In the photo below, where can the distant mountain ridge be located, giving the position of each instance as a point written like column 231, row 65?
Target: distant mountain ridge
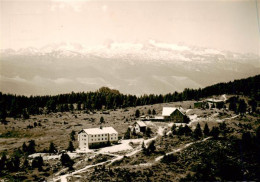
column 133, row 68
column 151, row 51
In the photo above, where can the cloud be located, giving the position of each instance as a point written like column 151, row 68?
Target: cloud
column 104, row 8
column 60, row 5
column 62, row 80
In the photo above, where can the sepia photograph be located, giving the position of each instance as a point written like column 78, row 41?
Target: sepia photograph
column 129, row 90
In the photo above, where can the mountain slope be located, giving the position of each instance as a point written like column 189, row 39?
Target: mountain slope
column 152, row 67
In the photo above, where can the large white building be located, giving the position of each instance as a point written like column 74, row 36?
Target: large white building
column 94, row 137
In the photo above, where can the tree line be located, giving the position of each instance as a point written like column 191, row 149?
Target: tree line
column 106, row 98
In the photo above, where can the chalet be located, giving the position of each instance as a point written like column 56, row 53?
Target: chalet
column 174, row 114
column 139, row 126
column 96, row 137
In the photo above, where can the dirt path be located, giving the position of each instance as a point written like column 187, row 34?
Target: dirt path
column 63, row 178
column 224, row 119
column 160, row 131
column 181, row 148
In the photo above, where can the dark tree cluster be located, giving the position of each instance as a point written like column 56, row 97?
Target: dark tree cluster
column 18, row 161
column 198, row 133
column 239, row 106
column 234, row 160
column 22, row 106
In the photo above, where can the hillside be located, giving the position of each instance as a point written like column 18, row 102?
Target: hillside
column 189, row 156
column 38, row 136
column 105, row 98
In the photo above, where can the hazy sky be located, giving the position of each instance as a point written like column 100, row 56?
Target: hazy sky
column 227, row 25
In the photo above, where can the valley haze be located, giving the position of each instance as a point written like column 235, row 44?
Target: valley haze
column 133, row 68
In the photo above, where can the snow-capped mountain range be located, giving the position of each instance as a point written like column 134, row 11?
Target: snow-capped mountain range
column 148, row 51
column 135, row 68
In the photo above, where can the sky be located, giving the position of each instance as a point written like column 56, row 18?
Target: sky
column 225, row 25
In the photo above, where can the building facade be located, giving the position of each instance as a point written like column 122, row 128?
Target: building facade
column 139, row 126
column 174, row 114
column 96, row 137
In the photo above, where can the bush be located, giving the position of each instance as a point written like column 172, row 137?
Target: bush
column 66, row 161
column 37, row 163
column 169, row 158
column 150, row 149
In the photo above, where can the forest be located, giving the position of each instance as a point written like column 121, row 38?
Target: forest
column 106, row 98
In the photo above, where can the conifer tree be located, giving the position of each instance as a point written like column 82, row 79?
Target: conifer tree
column 52, row 148
column 197, row 132
column 242, row 107
column 70, row 147
column 16, row 163
column 233, row 106
column 187, row 130
column 25, row 164
column 37, row 162
column 206, row 130
column 24, row 147
column 3, row 161
column 71, row 107
column 101, row 120
column 31, row 147
column 79, row 106
column 3, row 113
column 137, row 113
column 127, row 134
column 214, row 132
column 253, row 105
column 72, row 135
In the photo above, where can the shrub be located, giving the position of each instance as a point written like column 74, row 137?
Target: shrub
column 169, row 158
